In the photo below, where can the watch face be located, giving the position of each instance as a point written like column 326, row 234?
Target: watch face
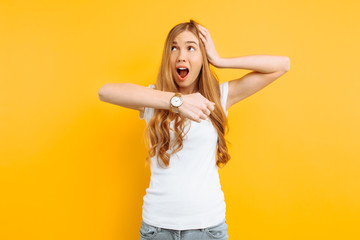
column 176, row 101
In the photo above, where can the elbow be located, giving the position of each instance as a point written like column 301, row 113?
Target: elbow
column 101, row 93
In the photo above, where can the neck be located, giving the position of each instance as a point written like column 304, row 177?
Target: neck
column 186, row 91
column 190, row 89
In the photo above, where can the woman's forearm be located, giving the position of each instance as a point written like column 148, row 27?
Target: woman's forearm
column 133, row 96
column 259, row 63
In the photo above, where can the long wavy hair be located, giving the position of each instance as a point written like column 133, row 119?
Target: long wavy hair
column 158, row 128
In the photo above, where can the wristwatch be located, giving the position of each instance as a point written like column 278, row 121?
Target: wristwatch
column 176, row 102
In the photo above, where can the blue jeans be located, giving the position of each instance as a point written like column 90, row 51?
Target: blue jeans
column 219, row 231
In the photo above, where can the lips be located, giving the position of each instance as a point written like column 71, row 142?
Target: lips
column 182, row 72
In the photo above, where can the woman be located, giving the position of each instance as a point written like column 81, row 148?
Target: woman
column 186, row 116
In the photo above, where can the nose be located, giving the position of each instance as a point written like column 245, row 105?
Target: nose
column 181, row 56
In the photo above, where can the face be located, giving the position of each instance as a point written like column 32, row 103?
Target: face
column 186, row 62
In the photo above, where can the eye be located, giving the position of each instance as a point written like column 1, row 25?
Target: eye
column 172, row 47
column 192, row 48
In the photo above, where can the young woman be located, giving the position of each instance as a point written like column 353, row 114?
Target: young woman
column 186, row 115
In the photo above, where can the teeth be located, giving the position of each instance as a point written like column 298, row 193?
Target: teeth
column 182, row 68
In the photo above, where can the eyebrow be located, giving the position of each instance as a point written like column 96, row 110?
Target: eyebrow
column 186, row 42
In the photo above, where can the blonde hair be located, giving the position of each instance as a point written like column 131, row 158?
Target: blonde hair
column 157, row 131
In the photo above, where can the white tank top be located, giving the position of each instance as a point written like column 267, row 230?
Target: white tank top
column 187, row 195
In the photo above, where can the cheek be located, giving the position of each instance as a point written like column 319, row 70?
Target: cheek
column 199, row 59
column 172, row 60
column 198, row 63
column 172, row 63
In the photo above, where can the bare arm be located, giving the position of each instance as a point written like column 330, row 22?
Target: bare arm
column 267, row 68
column 134, row 96
column 129, row 95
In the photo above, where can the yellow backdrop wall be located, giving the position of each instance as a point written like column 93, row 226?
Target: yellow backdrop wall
column 73, row 167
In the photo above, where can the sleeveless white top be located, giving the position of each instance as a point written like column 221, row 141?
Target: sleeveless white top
column 187, row 195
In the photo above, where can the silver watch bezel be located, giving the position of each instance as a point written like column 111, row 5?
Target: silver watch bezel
column 175, row 103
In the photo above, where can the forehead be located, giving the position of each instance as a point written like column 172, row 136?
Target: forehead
column 185, row 36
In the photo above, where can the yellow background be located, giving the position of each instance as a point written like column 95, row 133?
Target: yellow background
column 73, row 167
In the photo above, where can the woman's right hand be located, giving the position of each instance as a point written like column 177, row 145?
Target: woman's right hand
column 196, row 107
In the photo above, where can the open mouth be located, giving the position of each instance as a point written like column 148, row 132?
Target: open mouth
column 182, row 72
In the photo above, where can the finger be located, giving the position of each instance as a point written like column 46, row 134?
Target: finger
column 211, row 106
column 198, row 119
column 204, row 29
column 203, row 39
column 202, row 33
column 203, row 117
column 207, row 112
column 201, row 27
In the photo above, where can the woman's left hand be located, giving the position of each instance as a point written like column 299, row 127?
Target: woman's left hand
column 211, row 53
